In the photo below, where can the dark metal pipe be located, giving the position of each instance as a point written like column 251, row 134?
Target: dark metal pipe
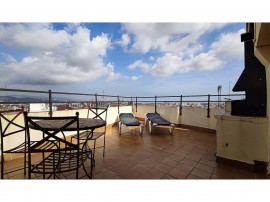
column 136, row 103
column 50, row 103
column 181, row 99
column 118, row 103
column 155, row 104
column 208, row 106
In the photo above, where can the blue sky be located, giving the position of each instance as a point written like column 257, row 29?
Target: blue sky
column 130, row 59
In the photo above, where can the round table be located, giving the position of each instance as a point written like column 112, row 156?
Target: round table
column 84, row 124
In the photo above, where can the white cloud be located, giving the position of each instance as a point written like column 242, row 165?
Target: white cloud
column 151, row 58
column 206, row 61
column 35, row 36
column 170, row 64
column 136, row 64
column 54, row 56
column 124, row 42
column 229, row 45
column 180, row 47
column 167, row 37
column 114, row 76
column 135, row 78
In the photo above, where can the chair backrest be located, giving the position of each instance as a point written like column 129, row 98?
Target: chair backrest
column 51, row 127
column 11, row 124
column 98, row 113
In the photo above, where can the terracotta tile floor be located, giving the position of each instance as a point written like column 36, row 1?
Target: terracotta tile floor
column 187, row 154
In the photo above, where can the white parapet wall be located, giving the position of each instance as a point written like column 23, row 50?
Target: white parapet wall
column 198, row 117
column 190, row 116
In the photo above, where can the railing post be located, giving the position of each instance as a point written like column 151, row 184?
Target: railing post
column 118, row 100
column 136, row 103
column 155, row 104
column 208, row 106
column 96, row 101
column 181, row 99
column 50, row 103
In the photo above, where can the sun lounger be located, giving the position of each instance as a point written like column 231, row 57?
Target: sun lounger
column 155, row 119
column 128, row 119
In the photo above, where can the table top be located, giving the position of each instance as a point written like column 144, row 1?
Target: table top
column 84, row 124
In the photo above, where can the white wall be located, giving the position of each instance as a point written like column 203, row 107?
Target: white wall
column 190, row 116
column 243, row 139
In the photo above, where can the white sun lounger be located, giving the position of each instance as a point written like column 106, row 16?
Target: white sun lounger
column 154, row 119
column 128, row 119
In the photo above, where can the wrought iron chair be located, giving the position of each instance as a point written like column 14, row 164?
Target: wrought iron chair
column 12, row 129
column 97, row 113
column 59, row 156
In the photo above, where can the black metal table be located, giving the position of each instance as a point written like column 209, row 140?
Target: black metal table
column 84, row 124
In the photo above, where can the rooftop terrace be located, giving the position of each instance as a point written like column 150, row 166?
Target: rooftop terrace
column 187, row 154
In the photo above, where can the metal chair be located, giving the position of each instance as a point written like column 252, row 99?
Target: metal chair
column 59, row 156
column 12, row 129
column 97, row 113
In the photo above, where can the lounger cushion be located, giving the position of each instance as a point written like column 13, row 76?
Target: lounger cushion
column 156, row 118
column 128, row 119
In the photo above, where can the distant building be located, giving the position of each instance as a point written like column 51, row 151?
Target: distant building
column 40, row 107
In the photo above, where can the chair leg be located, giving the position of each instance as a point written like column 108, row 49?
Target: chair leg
column 24, row 162
column 94, row 151
column 171, row 128
column 150, row 127
column 104, row 145
column 25, row 148
column 78, row 163
column 54, row 167
column 141, row 128
column 43, row 156
column 29, row 165
column 119, row 126
column 92, row 164
column 2, row 166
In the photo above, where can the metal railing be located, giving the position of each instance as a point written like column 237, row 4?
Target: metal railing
column 116, row 100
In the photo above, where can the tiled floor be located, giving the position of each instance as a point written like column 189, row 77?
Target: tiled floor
column 187, row 154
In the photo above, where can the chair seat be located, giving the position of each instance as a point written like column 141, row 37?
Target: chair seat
column 155, row 118
column 22, row 148
column 128, row 119
column 66, row 161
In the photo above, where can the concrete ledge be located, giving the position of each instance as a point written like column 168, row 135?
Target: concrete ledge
column 228, row 116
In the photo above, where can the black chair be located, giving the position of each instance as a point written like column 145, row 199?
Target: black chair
column 95, row 113
column 12, row 127
column 59, row 156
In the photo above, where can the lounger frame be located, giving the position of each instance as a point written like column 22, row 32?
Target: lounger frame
column 120, row 124
column 150, row 124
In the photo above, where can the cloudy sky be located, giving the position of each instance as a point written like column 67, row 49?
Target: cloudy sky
column 131, row 59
